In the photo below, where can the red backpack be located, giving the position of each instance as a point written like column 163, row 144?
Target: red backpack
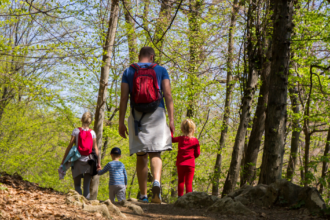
column 85, row 142
column 146, row 95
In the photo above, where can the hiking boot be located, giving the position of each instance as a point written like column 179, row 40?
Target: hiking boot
column 144, row 199
column 156, row 198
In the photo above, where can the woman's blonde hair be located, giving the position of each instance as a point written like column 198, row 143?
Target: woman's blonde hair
column 86, row 118
column 188, row 127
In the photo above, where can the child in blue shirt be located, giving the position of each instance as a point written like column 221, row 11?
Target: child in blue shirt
column 117, row 174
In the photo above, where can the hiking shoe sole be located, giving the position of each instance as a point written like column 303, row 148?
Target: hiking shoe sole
column 155, row 194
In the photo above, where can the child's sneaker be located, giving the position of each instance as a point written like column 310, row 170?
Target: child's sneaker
column 156, row 198
column 144, row 199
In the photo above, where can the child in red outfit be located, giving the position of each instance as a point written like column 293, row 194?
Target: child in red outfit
column 189, row 149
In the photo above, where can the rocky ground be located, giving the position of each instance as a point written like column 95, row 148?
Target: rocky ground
column 23, row 200
column 154, row 211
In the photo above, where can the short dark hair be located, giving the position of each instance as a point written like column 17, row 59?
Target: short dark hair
column 146, row 52
column 116, row 155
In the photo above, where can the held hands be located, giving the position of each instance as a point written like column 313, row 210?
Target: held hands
column 98, row 167
column 172, row 128
column 123, row 130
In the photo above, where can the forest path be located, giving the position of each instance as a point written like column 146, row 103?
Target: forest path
column 168, row 211
column 20, row 199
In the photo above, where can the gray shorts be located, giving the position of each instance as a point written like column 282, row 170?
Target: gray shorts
column 154, row 134
column 117, row 190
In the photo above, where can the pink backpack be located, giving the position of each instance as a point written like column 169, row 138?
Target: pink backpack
column 85, row 142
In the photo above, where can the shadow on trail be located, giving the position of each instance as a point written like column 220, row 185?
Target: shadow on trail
column 168, row 211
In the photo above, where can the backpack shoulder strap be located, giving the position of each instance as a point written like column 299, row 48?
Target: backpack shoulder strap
column 152, row 66
column 137, row 124
column 135, row 66
column 79, row 129
column 90, row 131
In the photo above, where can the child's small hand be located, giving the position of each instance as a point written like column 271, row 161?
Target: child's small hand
column 98, row 169
column 126, row 186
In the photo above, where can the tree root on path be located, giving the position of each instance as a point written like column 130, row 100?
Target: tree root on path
column 94, row 206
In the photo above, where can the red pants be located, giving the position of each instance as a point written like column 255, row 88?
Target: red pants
column 186, row 176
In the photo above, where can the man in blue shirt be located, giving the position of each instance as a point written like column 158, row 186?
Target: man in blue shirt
column 154, row 135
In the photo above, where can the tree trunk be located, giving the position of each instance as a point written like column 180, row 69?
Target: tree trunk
column 295, row 136
column 302, row 174
column 263, row 66
column 244, row 155
column 229, row 91
column 102, row 95
column 130, row 187
column 146, row 21
column 130, row 33
column 275, row 128
column 161, row 26
column 174, row 182
column 105, row 147
column 307, row 132
column 251, row 85
column 306, row 158
column 258, row 126
column 195, row 43
column 325, row 164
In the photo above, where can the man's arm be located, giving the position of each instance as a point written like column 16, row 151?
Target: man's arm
column 122, row 109
column 166, row 87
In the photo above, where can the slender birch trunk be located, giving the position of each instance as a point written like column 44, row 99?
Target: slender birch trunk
column 164, row 19
column 294, row 137
column 102, row 95
column 130, row 33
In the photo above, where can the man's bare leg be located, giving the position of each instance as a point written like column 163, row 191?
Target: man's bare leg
column 142, row 172
column 156, row 170
column 156, row 165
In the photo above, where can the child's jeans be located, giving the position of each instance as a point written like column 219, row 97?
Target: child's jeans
column 186, row 176
column 117, row 190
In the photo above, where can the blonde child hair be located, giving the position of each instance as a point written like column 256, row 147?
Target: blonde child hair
column 188, row 128
column 86, row 118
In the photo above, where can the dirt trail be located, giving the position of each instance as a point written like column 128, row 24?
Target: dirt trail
column 167, row 211
column 20, row 199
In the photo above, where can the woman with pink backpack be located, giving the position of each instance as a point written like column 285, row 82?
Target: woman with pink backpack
column 84, row 140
